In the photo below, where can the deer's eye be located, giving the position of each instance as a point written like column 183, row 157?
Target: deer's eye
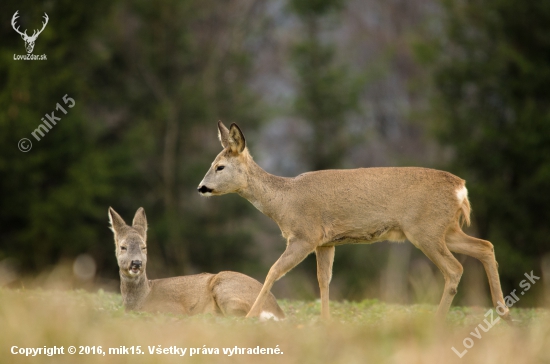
column 219, row 168
column 144, row 248
column 123, row 248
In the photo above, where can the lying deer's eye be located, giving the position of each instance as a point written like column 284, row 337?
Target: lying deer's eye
column 144, row 248
column 220, row 168
column 122, row 248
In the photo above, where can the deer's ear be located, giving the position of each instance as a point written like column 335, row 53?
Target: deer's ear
column 117, row 223
column 223, row 134
column 236, row 141
column 140, row 222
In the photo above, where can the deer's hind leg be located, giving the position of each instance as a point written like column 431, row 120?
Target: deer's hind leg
column 234, row 307
column 458, row 242
column 436, row 250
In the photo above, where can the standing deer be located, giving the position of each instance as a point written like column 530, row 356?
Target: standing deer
column 317, row 211
column 29, row 41
column 227, row 293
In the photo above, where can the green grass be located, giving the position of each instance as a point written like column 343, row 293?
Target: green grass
column 359, row 332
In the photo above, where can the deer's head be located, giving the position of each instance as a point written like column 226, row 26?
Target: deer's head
column 229, row 170
column 29, row 40
column 130, row 242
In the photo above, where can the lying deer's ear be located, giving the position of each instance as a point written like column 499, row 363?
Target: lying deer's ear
column 140, row 222
column 236, row 141
column 223, row 134
column 117, row 223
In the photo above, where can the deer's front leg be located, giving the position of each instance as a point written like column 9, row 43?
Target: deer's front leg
column 295, row 252
column 325, row 257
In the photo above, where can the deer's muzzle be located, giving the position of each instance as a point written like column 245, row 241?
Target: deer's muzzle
column 204, row 190
column 135, row 266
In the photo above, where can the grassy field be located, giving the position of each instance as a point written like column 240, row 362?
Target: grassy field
column 360, row 332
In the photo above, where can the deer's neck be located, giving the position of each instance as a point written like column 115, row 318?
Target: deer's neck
column 134, row 291
column 265, row 191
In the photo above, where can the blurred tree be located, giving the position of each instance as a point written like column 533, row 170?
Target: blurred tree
column 493, row 106
column 150, row 82
column 181, row 66
column 52, row 195
column 327, row 91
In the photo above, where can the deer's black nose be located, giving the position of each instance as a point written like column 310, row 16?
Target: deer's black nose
column 204, row 189
column 136, row 263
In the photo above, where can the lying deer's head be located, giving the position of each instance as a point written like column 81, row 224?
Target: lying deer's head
column 29, row 41
column 131, row 243
column 229, row 170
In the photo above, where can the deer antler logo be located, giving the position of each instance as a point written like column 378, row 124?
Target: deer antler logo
column 29, row 41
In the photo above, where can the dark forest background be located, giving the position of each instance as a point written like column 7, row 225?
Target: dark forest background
column 314, row 84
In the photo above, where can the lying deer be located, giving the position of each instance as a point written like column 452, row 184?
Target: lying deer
column 227, row 293
column 317, row 211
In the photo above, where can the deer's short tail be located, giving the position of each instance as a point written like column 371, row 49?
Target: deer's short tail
column 465, row 209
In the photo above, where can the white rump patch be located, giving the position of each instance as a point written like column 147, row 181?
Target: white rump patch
column 265, row 315
column 462, row 194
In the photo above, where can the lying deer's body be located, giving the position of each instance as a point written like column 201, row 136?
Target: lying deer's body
column 225, row 293
column 317, row 211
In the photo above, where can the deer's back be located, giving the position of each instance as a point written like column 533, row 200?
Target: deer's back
column 378, row 188
column 364, row 204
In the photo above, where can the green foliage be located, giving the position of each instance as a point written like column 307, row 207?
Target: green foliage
column 147, row 81
column 492, row 75
column 313, row 8
column 50, row 195
column 327, row 91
